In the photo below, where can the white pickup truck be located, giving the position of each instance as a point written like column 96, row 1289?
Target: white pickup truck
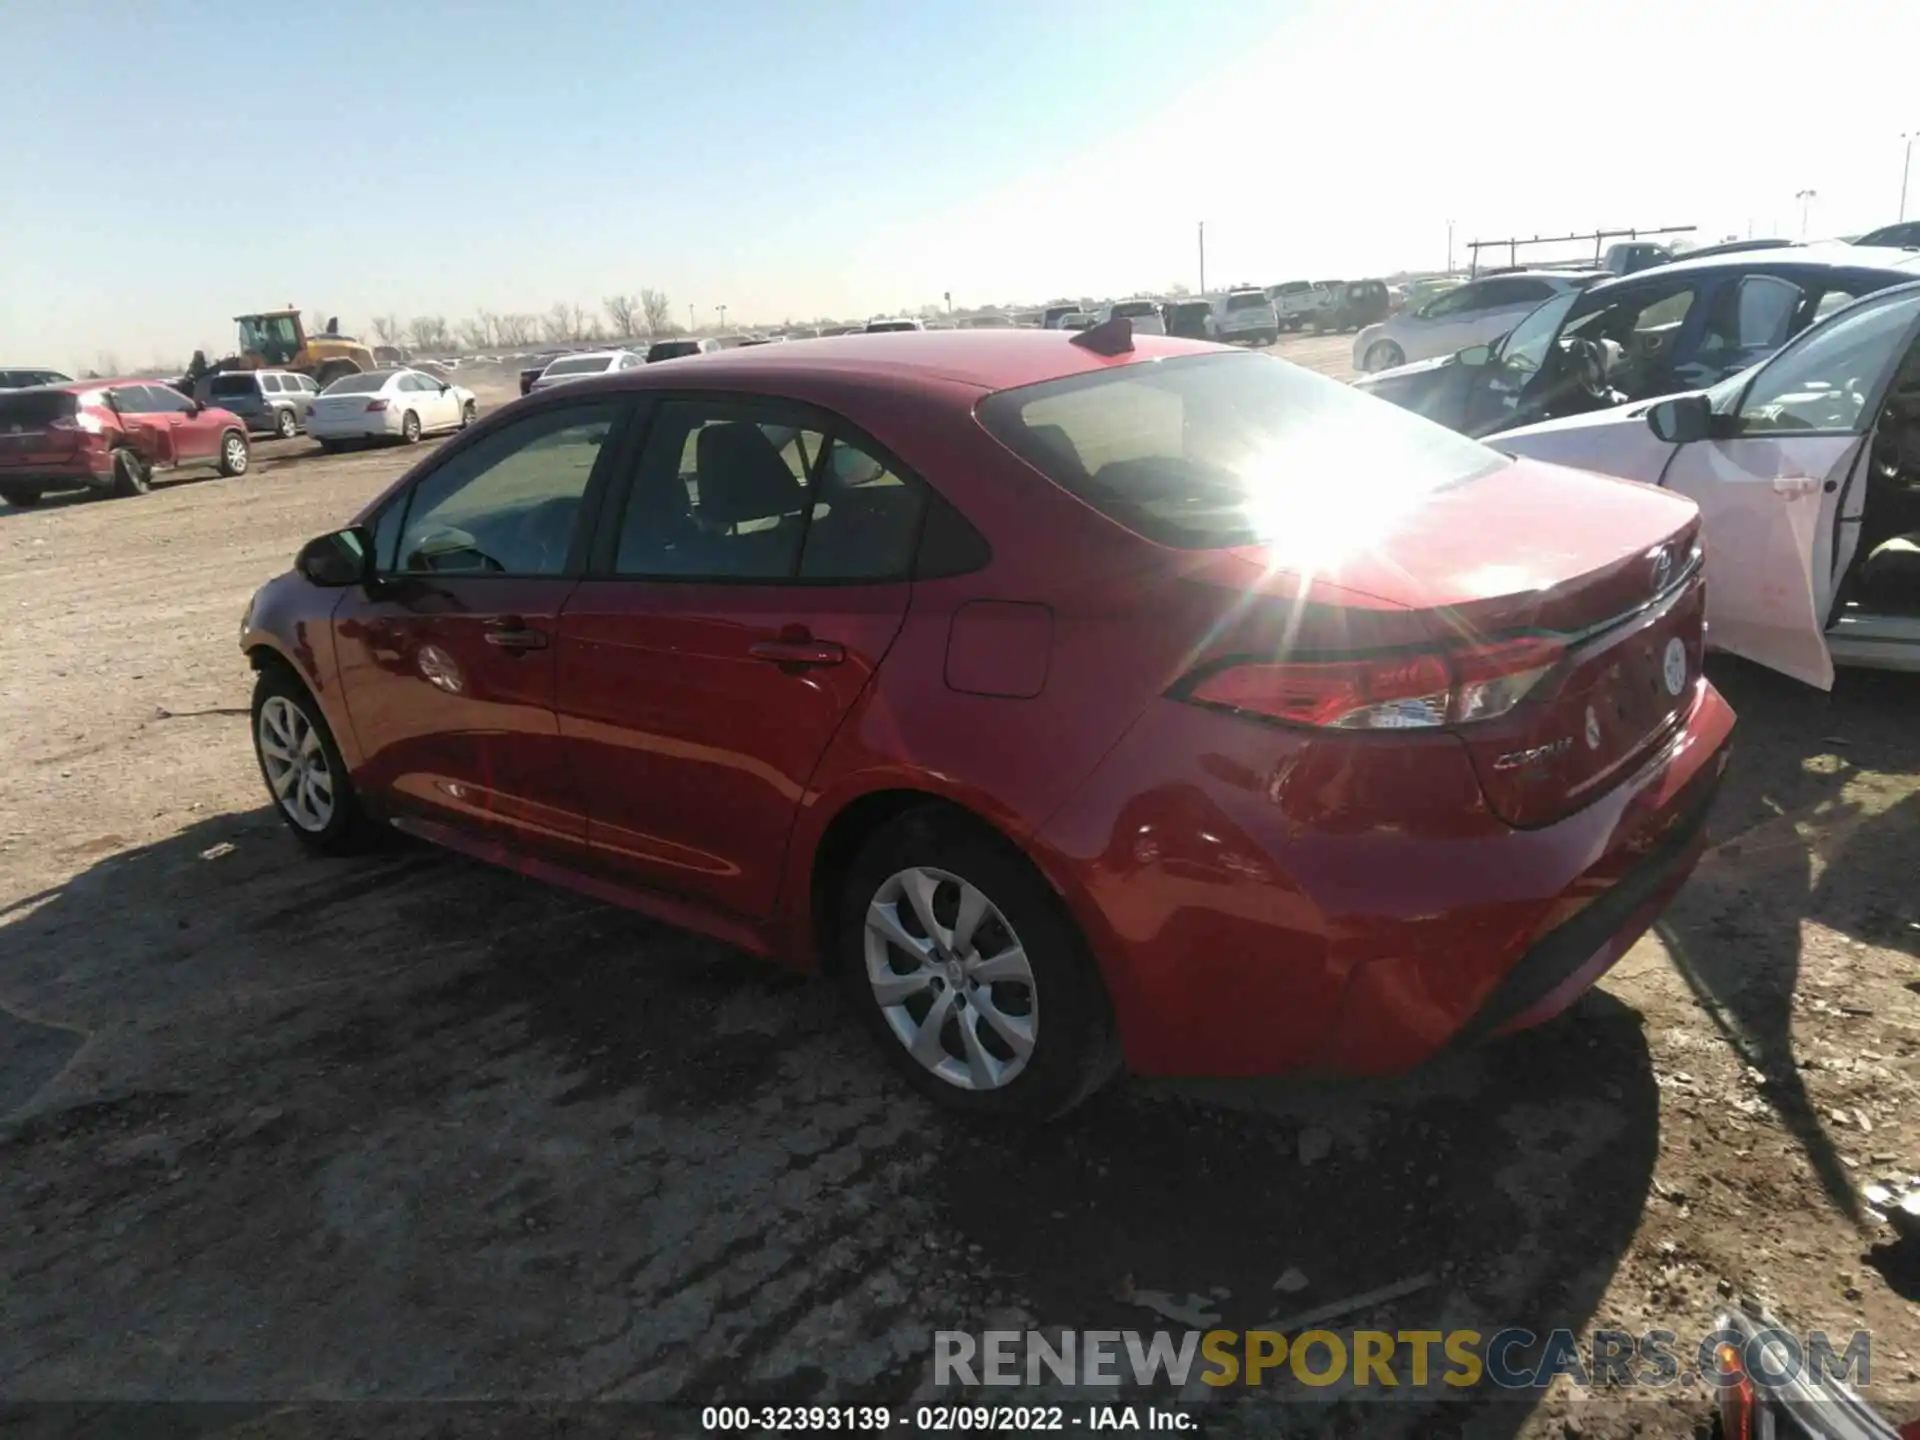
column 1298, row 302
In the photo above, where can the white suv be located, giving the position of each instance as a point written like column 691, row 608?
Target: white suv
column 1244, row 316
column 1144, row 315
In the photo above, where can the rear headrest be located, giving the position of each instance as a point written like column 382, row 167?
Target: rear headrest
column 742, row 476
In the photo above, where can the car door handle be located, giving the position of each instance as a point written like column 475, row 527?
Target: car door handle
column 800, row 652
column 513, row 633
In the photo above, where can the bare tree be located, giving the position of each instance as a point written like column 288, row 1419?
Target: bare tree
column 657, row 310
column 317, row 322
column 388, row 328
column 1178, row 289
column 590, row 329
column 429, row 332
column 558, row 322
column 577, row 322
column 518, row 329
column 108, row 364
column 476, row 333
column 623, row 313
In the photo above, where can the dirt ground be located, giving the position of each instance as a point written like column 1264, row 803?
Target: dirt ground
column 282, row 1131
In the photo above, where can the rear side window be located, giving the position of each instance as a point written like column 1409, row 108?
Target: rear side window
column 36, row 409
column 1220, row 450
column 232, row 385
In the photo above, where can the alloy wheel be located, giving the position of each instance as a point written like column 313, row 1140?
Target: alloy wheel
column 951, row 979
column 235, row 455
column 296, row 764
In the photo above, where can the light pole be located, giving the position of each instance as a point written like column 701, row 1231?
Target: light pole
column 1906, row 164
column 693, row 320
column 1203, row 257
column 1449, row 247
column 1806, row 198
column 723, row 316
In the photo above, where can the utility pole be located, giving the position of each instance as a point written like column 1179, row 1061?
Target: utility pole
column 723, row 316
column 1906, row 164
column 1203, row 257
column 693, row 320
column 1806, row 198
column 1449, row 247
column 949, row 300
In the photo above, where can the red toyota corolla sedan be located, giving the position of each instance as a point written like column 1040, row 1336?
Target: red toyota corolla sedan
column 1074, row 698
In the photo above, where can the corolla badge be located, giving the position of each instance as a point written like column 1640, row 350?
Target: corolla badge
column 1520, row 759
column 439, row 669
column 1673, row 666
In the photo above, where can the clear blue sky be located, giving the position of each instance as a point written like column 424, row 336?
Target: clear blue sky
column 171, row 163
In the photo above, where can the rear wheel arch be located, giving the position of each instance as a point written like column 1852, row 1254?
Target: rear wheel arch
column 848, row 832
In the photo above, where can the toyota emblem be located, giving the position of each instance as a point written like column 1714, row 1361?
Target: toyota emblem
column 1662, row 567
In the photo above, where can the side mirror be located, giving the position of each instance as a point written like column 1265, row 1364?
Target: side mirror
column 1681, row 420
column 338, row 560
column 1475, row 356
column 194, row 407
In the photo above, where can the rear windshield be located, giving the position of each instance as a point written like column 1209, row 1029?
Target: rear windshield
column 1247, row 300
column 673, row 349
column 365, row 384
column 1191, row 309
column 592, row 365
column 1295, row 287
column 233, row 385
column 34, row 408
column 1218, row 450
column 1136, row 307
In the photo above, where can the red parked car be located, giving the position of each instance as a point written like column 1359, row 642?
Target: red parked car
column 1073, row 698
column 110, row 436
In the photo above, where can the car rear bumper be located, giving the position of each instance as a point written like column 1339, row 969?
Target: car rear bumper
column 361, row 426
column 1263, row 900
column 87, row 471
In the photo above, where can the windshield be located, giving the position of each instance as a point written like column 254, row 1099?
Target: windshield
column 272, row 337
column 1525, row 347
column 367, row 384
column 1247, row 300
column 589, row 365
column 1220, row 450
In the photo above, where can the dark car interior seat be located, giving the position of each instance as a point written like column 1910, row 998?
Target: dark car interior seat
column 744, row 482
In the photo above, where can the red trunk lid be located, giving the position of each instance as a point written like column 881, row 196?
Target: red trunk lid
column 1609, row 567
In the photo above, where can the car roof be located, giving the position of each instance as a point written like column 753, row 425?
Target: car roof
column 1824, row 255
column 921, row 360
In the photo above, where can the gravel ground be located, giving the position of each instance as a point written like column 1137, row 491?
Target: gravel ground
column 285, row 1131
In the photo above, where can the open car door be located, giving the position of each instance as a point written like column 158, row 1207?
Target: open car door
column 1761, row 502
column 148, row 427
column 1772, row 479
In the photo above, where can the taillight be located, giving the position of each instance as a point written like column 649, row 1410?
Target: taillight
column 1737, row 1400
column 82, row 420
column 376, row 404
column 1397, row 690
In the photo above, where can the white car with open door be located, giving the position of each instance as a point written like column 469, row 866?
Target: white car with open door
column 1477, row 313
column 388, row 405
column 1806, row 468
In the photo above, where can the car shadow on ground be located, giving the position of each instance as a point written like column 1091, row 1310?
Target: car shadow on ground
column 409, row 1126
column 1800, row 841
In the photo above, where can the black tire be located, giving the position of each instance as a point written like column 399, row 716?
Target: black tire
column 410, row 429
column 130, row 475
column 348, row 831
column 1074, row 1050
column 285, row 423
column 235, row 454
column 331, row 447
column 469, row 412
column 21, row 496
